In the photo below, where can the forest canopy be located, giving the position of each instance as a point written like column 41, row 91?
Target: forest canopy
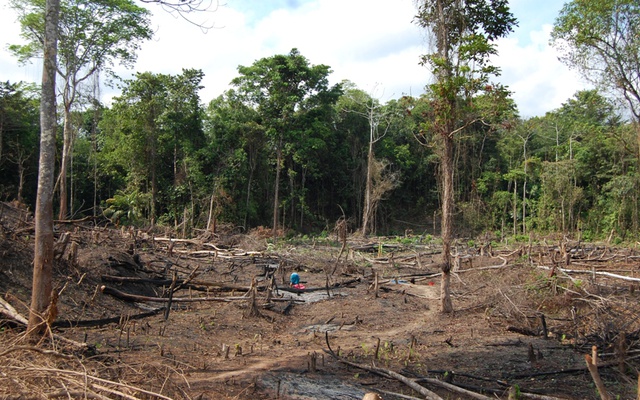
column 284, row 149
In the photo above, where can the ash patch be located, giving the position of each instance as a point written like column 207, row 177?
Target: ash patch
column 311, row 387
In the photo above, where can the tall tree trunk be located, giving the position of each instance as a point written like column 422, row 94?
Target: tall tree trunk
column 636, row 213
column 1, row 136
column 276, row 189
column 248, row 197
column 211, row 224
column 524, row 188
column 153, row 164
column 43, row 252
column 303, row 203
column 67, row 143
column 447, row 222
column 515, row 206
column 524, row 203
column 21, row 173
column 94, row 154
column 367, row 210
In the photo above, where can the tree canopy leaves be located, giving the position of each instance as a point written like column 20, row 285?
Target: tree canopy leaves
column 601, row 40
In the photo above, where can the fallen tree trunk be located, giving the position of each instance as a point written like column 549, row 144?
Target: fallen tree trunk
column 134, row 297
column 137, row 298
column 103, row 321
column 317, row 289
column 8, row 310
column 182, row 284
column 601, row 273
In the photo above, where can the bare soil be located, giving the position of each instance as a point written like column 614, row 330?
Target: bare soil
column 224, row 340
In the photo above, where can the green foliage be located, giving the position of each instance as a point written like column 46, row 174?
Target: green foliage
column 19, row 135
column 152, row 135
column 601, row 39
column 127, row 208
column 294, row 101
column 92, row 33
column 158, row 153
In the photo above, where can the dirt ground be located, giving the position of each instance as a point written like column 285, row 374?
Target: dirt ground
column 235, row 330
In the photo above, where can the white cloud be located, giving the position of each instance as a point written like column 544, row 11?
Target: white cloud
column 538, row 80
column 373, row 43
column 10, row 34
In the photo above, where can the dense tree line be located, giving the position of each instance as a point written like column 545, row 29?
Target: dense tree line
column 286, row 150
column 159, row 154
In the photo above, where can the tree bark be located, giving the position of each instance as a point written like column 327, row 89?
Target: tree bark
column 447, row 222
column 276, row 190
column 67, row 145
column 367, row 211
column 43, row 253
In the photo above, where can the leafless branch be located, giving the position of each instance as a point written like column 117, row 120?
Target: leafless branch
column 185, row 9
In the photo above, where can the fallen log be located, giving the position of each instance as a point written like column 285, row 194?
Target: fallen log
column 336, row 285
column 137, row 298
column 373, row 247
column 183, row 284
column 8, row 310
column 133, row 279
column 103, row 321
column 601, row 273
column 74, row 221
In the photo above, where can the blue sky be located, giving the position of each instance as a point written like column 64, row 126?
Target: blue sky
column 372, row 43
column 533, row 14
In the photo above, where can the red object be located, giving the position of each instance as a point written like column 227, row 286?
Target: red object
column 298, row 286
column 431, row 283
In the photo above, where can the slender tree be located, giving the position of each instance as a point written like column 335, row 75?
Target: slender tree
column 41, row 291
column 462, row 33
column 379, row 121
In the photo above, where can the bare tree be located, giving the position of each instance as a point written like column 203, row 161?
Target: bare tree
column 379, row 121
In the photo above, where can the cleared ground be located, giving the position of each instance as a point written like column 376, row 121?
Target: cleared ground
column 236, row 331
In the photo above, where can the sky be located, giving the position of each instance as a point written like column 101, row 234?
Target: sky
column 372, row 43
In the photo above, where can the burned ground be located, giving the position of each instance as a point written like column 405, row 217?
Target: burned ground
column 235, row 330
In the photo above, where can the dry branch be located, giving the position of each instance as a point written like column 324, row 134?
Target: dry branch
column 137, row 298
column 87, row 377
column 103, row 321
column 429, row 395
column 181, row 284
column 8, row 310
column 602, row 273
